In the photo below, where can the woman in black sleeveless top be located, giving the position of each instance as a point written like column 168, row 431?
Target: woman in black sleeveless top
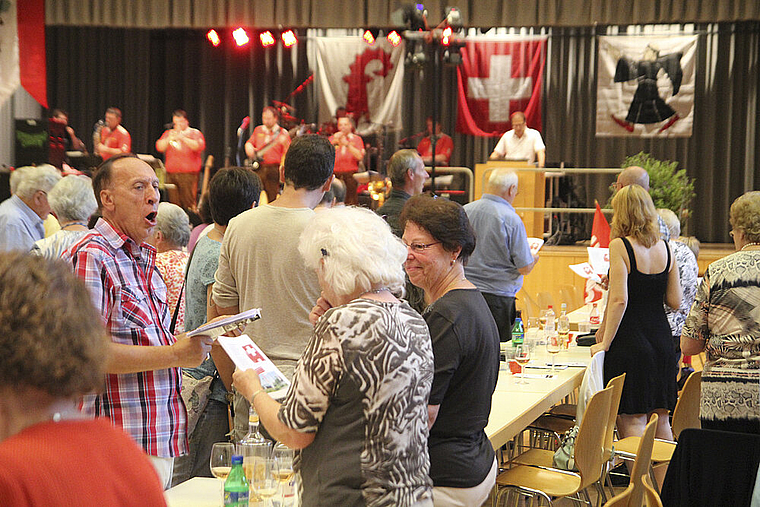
column 635, row 332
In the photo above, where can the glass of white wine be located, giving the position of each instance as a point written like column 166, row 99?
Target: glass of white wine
column 522, row 357
column 553, row 346
column 284, row 457
column 266, row 479
column 221, row 461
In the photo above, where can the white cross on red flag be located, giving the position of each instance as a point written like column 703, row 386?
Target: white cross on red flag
column 497, row 78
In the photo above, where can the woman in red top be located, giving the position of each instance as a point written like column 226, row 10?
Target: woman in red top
column 349, row 150
column 55, row 350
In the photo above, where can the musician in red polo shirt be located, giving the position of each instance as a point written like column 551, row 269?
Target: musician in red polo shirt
column 183, row 146
column 266, row 148
column 114, row 139
column 349, row 151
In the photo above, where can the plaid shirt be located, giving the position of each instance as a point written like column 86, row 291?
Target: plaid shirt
column 128, row 289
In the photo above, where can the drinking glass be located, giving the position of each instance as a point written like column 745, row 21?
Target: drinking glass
column 284, row 458
column 522, row 356
column 553, row 346
column 221, row 461
column 265, row 479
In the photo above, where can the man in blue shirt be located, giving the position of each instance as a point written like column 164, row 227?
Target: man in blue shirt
column 22, row 215
column 502, row 255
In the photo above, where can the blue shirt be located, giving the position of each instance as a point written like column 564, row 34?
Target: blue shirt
column 501, row 247
column 20, row 226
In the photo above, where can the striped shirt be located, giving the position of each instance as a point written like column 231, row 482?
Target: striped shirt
column 128, row 289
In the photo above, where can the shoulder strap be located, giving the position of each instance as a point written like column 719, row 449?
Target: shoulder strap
column 631, row 254
column 667, row 248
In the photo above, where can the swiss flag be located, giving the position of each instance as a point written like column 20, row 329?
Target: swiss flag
column 497, row 78
column 600, row 230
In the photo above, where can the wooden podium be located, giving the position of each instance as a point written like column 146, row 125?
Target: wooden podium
column 530, row 185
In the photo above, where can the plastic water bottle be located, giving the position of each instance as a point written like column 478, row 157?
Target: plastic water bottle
column 551, row 319
column 518, row 332
column 236, row 485
column 563, row 327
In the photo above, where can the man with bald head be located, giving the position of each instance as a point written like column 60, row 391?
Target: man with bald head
column 141, row 391
column 635, row 175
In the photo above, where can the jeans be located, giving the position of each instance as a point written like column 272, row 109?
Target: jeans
column 212, row 427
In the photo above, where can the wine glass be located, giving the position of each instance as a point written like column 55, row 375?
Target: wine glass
column 284, row 456
column 265, row 479
column 522, row 356
column 553, row 346
column 221, row 460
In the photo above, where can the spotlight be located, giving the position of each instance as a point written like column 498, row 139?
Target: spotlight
column 368, row 37
column 394, row 38
column 454, row 18
column 241, row 37
column 213, row 37
column 446, row 36
column 289, row 38
column 267, row 39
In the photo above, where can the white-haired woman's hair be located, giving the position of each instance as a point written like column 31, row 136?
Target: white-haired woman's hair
column 72, row 198
column 355, row 249
column 502, row 179
column 32, row 179
column 173, row 223
column 671, row 222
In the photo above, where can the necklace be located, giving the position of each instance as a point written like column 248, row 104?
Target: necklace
column 375, row 291
column 749, row 244
column 71, row 224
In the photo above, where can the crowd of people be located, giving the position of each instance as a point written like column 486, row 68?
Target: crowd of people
column 387, row 323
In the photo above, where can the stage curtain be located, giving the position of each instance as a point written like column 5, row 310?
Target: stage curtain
column 353, row 13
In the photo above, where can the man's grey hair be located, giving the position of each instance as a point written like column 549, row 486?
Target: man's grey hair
column 72, row 198
column 502, row 179
column 173, row 223
column 400, row 163
column 32, row 179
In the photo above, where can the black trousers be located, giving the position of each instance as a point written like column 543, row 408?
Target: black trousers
column 503, row 311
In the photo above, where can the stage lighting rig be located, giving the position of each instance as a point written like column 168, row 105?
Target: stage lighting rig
column 241, row 37
column 267, row 39
column 394, row 38
column 289, row 38
column 371, row 35
column 213, row 37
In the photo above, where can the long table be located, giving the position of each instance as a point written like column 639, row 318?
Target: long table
column 514, row 406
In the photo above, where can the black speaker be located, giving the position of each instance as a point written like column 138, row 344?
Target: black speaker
column 32, row 143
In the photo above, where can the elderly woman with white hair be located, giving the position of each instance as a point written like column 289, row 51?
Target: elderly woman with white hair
column 72, row 201
column 170, row 237
column 358, row 402
column 688, row 273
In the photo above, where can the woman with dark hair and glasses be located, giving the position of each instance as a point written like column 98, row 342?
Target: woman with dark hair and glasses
column 439, row 241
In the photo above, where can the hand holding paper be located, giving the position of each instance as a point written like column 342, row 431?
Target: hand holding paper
column 585, row 270
column 248, row 356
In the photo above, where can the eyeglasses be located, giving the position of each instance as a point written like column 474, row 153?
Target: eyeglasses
column 420, row 247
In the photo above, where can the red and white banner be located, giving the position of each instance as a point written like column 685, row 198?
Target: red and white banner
column 366, row 80
column 9, row 72
column 600, row 229
column 496, row 78
column 645, row 86
column 22, row 39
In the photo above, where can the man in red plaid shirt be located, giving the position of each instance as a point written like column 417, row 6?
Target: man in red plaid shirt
column 142, row 384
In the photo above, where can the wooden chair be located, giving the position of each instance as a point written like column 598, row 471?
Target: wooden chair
column 685, row 415
column 651, row 497
column 545, row 458
column 529, row 305
column 544, row 299
column 548, row 483
column 635, row 492
column 570, row 296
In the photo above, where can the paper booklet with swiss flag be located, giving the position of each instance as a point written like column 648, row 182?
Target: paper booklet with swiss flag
column 497, row 77
column 248, row 356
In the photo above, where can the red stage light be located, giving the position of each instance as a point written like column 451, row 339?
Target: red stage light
column 446, row 36
column 213, row 37
column 368, row 37
column 394, row 38
column 289, row 38
column 267, row 39
column 241, row 37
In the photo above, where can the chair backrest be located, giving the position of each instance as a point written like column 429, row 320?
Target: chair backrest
column 544, row 299
column 569, row 295
column 650, row 494
column 686, row 413
column 621, row 499
column 617, row 392
column 643, row 460
column 589, row 445
column 529, row 304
